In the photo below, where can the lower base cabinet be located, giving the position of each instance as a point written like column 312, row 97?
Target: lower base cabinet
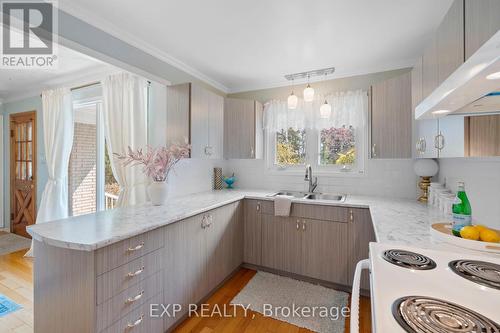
column 326, row 247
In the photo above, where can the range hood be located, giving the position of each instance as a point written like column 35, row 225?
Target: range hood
column 489, row 104
column 468, row 86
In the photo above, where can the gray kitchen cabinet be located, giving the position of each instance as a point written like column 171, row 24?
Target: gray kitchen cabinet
column 361, row 233
column 281, row 243
column 450, row 44
column 424, row 131
column 243, row 131
column 430, row 70
column 252, row 231
column 196, row 115
column 325, row 250
column 482, row 20
column 390, row 116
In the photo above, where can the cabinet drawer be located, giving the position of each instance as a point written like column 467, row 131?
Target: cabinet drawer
column 113, row 282
column 138, row 320
column 319, row 212
column 130, row 299
column 127, row 250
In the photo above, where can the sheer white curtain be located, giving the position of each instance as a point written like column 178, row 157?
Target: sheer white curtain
column 125, row 124
column 348, row 108
column 57, row 121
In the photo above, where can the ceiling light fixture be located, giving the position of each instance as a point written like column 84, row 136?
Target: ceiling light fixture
column 494, row 76
column 292, row 100
column 308, row 92
column 325, row 110
column 441, row 112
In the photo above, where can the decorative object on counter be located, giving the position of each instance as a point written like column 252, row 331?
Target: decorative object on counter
column 218, row 182
column 433, row 189
column 425, row 168
column 462, row 211
column 157, row 164
column 229, row 180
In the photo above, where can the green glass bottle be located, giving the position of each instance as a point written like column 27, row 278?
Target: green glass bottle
column 462, row 212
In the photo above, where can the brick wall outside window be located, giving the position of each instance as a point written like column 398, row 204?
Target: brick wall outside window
column 82, row 178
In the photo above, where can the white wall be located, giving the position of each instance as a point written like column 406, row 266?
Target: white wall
column 482, row 185
column 2, row 161
column 388, row 178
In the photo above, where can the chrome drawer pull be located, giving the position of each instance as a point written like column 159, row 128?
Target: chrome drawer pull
column 136, row 272
column 136, row 298
column 137, row 322
column 138, row 247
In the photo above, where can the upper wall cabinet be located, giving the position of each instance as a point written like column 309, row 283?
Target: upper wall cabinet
column 482, row 20
column 243, row 132
column 391, row 118
column 195, row 114
column 450, row 41
column 425, row 131
column 430, row 74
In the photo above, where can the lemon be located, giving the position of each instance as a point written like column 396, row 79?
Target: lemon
column 469, row 232
column 489, row 235
column 481, row 227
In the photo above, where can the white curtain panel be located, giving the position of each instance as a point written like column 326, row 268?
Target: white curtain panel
column 348, row 108
column 125, row 124
column 57, row 121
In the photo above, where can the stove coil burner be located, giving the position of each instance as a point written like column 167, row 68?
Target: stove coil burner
column 408, row 259
column 418, row 314
column 481, row 272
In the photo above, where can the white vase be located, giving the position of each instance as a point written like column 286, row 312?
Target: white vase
column 158, row 192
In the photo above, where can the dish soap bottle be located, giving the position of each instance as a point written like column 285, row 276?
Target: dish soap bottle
column 462, row 212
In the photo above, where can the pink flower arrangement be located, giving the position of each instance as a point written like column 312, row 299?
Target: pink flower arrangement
column 157, row 162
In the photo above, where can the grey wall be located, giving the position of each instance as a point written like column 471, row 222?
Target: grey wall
column 482, row 185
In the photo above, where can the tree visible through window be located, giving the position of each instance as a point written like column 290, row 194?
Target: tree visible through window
column 337, row 146
column 291, row 147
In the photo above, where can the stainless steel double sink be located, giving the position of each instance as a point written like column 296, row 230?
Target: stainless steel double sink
column 312, row 196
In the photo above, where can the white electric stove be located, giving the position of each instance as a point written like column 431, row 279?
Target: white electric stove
column 422, row 290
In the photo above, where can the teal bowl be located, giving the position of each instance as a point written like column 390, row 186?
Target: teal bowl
column 229, row 181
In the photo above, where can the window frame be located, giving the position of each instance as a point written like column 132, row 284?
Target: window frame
column 312, row 156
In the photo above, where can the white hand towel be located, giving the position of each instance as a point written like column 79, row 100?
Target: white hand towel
column 282, row 205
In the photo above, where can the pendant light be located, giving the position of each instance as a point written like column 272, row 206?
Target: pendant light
column 292, row 100
column 308, row 92
column 325, row 110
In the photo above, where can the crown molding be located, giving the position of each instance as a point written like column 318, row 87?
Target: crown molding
column 126, row 37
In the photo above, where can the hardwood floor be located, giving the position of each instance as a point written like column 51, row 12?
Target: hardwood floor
column 254, row 321
column 16, row 282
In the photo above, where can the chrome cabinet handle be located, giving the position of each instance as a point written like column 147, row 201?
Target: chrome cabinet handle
column 135, row 298
column 137, row 322
column 374, row 150
column 137, row 248
column 209, row 220
column 252, row 152
column 137, row 272
column 208, row 150
column 439, row 141
column 303, row 225
column 258, row 207
column 423, row 146
column 204, row 222
column 298, row 227
column 351, row 216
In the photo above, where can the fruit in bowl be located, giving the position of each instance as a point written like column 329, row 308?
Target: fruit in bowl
column 480, row 232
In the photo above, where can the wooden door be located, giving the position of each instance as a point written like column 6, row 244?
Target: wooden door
column 325, row 251
column 239, row 128
column 391, row 118
column 252, row 231
column 22, row 172
column 482, row 20
column 219, row 245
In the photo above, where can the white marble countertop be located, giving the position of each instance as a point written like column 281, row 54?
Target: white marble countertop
column 395, row 220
